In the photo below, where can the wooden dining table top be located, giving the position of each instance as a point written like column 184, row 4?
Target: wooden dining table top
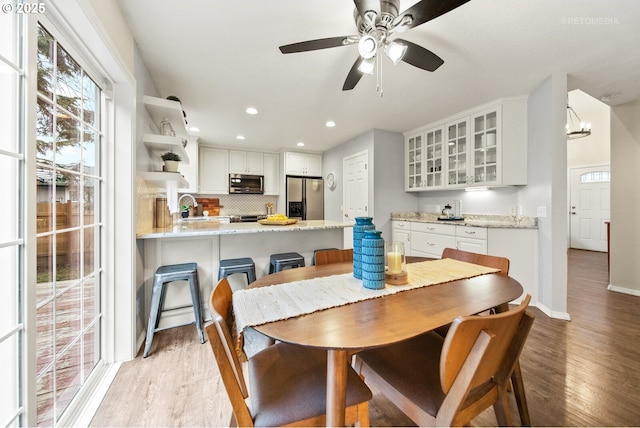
column 380, row 321
column 389, row 319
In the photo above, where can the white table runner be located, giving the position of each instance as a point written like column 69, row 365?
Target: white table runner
column 261, row 305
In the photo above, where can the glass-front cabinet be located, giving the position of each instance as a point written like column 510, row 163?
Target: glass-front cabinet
column 433, row 148
column 425, row 160
column 486, row 147
column 415, row 180
column 483, row 146
column 457, row 152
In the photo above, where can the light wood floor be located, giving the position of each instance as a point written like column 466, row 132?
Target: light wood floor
column 585, row 372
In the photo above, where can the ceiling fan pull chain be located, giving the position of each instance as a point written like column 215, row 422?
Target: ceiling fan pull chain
column 379, row 76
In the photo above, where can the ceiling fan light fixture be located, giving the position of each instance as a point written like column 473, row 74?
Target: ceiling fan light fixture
column 367, row 46
column 367, row 65
column 395, row 51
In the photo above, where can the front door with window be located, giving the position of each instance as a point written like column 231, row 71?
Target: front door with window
column 589, row 207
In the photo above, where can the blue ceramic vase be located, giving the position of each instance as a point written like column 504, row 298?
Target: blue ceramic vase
column 362, row 225
column 373, row 260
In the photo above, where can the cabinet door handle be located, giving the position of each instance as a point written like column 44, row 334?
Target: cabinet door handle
column 469, row 233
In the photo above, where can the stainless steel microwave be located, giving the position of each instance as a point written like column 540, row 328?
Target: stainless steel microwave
column 246, row 184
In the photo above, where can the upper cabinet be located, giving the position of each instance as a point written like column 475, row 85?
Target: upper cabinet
column 213, row 170
column 271, row 173
column 306, row 164
column 241, row 162
column 485, row 146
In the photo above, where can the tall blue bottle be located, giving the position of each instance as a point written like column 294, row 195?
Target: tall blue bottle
column 373, row 260
column 362, row 225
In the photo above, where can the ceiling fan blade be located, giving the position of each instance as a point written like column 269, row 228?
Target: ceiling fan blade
column 423, row 11
column 313, row 45
column 420, row 57
column 353, row 77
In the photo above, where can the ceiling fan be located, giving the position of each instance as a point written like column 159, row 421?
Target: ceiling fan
column 376, row 21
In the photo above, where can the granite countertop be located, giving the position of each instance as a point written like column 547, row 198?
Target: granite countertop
column 210, row 228
column 477, row 220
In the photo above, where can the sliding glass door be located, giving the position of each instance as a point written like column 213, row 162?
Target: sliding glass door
column 68, row 186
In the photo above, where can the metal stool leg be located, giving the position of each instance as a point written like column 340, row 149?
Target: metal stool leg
column 156, row 298
column 194, row 284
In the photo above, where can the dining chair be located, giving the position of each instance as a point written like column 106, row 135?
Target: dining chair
column 325, row 257
column 501, row 263
column 448, row 381
column 287, row 383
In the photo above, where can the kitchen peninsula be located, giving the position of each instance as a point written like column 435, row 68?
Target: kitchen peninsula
column 206, row 242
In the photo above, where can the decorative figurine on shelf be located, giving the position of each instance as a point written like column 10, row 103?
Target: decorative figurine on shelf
column 171, row 161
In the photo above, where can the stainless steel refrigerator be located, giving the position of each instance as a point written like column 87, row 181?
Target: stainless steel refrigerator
column 305, row 198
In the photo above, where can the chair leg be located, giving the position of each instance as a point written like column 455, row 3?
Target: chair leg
column 519, row 393
column 501, row 408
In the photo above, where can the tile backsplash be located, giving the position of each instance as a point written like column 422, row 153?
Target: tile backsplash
column 242, row 204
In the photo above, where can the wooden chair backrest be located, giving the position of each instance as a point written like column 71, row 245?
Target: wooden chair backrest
column 221, row 342
column 483, row 342
column 496, row 262
column 326, row 257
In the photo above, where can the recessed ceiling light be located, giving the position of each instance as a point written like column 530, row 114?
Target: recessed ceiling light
column 251, row 110
column 300, row 144
column 330, row 124
column 194, row 129
column 240, row 137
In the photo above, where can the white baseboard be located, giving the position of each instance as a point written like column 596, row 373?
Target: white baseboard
column 624, row 290
column 554, row 314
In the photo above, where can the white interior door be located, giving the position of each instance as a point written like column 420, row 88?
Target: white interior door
column 356, row 186
column 589, row 207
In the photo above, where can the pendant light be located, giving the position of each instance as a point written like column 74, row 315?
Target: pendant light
column 576, row 128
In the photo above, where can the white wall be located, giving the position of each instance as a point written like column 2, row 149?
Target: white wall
column 386, row 177
column 547, row 187
column 625, row 198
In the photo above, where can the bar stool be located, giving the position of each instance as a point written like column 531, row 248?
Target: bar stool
column 242, row 265
column 281, row 261
column 163, row 276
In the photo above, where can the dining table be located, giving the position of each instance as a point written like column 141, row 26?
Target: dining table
column 346, row 329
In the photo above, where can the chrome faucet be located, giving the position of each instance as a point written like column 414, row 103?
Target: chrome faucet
column 195, row 204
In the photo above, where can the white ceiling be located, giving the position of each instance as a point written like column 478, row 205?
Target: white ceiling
column 219, row 57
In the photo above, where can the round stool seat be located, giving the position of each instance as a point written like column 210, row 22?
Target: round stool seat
column 282, row 261
column 240, row 265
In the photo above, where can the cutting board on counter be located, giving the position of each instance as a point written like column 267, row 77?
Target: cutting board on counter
column 278, row 222
column 212, row 205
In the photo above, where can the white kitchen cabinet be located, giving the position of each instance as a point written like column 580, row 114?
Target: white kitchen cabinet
column 401, row 232
column 472, row 239
column 213, row 170
column 241, row 162
column 424, row 160
column 457, row 152
column 271, row 174
column 305, row 164
column 484, row 146
column 414, row 180
column 429, row 239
